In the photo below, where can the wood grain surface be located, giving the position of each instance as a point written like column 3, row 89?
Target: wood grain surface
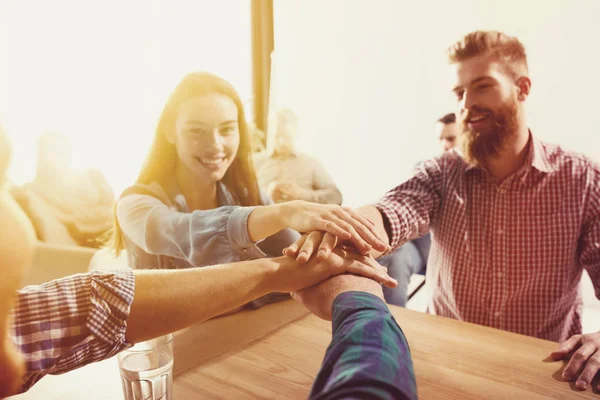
column 452, row 359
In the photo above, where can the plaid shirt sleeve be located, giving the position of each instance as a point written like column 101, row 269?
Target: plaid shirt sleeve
column 409, row 209
column 368, row 356
column 71, row 322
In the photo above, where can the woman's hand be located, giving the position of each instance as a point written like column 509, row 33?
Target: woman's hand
column 292, row 277
column 321, row 243
column 342, row 223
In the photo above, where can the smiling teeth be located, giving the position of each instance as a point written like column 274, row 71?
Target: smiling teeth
column 212, row 162
column 476, row 119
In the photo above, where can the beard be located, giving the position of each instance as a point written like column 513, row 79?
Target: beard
column 477, row 147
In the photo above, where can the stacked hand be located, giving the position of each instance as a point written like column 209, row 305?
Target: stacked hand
column 295, row 278
column 331, row 239
column 322, row 244
column 328, row 224
column 319, row 298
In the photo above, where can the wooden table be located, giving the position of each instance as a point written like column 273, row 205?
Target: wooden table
column 276, row 351
column 452, row 360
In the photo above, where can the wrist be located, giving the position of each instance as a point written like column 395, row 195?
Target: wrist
column 277, row 216
column 277, row 270
column 265, row 221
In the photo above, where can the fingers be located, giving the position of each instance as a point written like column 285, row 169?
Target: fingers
column 313, row 240
column 577, row 361
column 349, row 248
column 369, row 268
column 365, row 228
column 566, row 348
column 355, row 238
column 293, row 249
column 390, row 282
column 589, row 372
column 328, row 243
column 334, row 228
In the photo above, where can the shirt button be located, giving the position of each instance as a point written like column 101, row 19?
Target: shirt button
column 497, row 314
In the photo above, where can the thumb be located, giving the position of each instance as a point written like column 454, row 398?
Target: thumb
column 565, row 348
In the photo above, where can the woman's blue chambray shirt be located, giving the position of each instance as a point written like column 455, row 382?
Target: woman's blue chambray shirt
column 160, row 231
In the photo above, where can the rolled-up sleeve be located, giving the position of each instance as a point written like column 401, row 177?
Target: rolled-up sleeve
column 238, row 236
column 410, row 208
column 196, row 236
column 70, row 322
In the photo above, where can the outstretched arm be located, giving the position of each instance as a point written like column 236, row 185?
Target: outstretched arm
column 91, row 317
column 368, row 356
column 404, row 213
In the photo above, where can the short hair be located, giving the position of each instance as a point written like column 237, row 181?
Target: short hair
column 507, row 49
column 448, row 119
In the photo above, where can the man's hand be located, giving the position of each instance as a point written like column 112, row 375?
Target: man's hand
column 342, row 222
column 319, row 298
column 585, row 358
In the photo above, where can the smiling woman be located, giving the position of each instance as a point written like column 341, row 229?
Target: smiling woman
column 197, row 202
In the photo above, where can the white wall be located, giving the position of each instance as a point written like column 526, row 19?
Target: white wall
column 100, row 72
column 369, row 78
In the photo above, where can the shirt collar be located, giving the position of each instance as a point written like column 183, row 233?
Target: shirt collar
column 539, row 157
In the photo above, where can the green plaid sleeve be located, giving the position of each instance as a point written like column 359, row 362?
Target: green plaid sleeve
column 368, row 356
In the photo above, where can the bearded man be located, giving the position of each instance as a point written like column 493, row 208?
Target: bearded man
column 514, row 221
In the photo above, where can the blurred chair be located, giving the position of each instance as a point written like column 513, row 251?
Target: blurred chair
column 55, row 261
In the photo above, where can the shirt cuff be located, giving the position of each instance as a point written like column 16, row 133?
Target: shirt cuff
column 348, row 302
column 111, row 298
column 239, row 238
column 391, row 216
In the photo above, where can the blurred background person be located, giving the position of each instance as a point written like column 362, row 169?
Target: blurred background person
column 287, row 174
